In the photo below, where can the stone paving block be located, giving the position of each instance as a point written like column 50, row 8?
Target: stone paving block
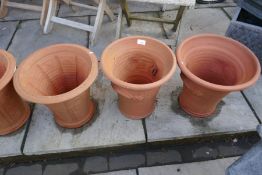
column 109, row 127
column 226, row 3
column 230, row 11
column 95, row 164
column 124, row 172
column 29, row 37
column 126, row 161
column 196, row 21
column 214, row 167
column 205, row 152
column 106, row 35
column 169, row 122
column 254, row 95
column 163, row 157
column 63, row 169
column 20, row 14
column 7, row 30
column 10, row 145
column 35, row 169
column 1, row 171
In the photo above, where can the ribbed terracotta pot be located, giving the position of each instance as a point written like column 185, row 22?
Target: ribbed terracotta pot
column 14, row 112
column 137, row 66
column 60, row 76
column 212, row 66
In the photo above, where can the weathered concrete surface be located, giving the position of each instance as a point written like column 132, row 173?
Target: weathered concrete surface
column 124, row 172
column 214, row 167
column 106, row 35
column 169, row 122
column 230, row 11
column 20, row 14
column 10, row 145
column 118, row 162
column 29, row 37
column 196, row 21
column 109, row 127
column 35, row 169
column 7, row 30
column 64, row 169
column 226, row 3
column 95, row 164
column 254, row 95
column 163, row 157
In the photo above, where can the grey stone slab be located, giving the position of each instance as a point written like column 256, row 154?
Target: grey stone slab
column 20, row 14
column 106, row 35
column 124, row 172
column 163, row 157
column 7, row 30
column 226, row 3
column 29, row 37
column 109, row 128
column 95, row 164
column 10, row 145
column 2, row 171
column 205, row 152
column 214, row 167
column 65, row 169
column 126, row 161
column 254, row 94
column 35, row 169
column 152, row 29
column 230, row 11
column 169, row 122
column 196, row 21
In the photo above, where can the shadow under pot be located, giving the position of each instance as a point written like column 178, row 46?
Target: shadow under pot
column 60, row 76
column 14, row 112
column 212, row 66
column 137, row 66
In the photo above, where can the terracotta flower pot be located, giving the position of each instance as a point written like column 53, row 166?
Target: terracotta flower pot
column 137, row 67
column 60, row 76
column 213, row 66
column 14, row 112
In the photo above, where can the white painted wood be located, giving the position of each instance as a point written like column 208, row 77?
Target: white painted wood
column 176, row 2
column 119, row 23
column 83, row 5
column 24, row 6
column 51, row 12
column 108, row 11
column 72, row 24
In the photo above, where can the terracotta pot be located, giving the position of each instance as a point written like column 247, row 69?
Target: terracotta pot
column 137, row 67
column 60, row 76
column 213, row 66
column 14, row 112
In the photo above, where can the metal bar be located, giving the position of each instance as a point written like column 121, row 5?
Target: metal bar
column 125, row 11
column 151, row 19
column 24, row 6
column 178, row 17
column 83, row 5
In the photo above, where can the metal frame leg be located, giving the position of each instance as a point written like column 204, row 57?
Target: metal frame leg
column 125, row 11
column 178, row 17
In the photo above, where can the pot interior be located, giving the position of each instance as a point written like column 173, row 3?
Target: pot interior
column 3, row 65
column 55, row 73
column 138, row 64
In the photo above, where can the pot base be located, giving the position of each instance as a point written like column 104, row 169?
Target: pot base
column 135, row 117
column 79, row 124
column 194, row 114
column 18, row 124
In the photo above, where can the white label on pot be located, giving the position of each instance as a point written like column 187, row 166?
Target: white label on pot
column 141, row 42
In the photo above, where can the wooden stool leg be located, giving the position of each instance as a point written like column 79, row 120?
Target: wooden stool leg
column 44, row 12
column 178, row 17
column 3, row 8
column 51, row 12
column 124, row 7
column 98, row 21
column 108, row 11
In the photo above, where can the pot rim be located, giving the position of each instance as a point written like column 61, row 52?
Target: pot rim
column 61, row 97
column 213, row 86
column 10, row 69
column 138, row 86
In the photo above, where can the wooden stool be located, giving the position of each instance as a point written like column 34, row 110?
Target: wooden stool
column 101, row 9
column 43, row 9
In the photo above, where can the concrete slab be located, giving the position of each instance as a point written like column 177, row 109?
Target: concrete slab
column 10, row 145
column 20, row 14
column 230, row 11
column 35, row 169
column 106, row 35
column 226, row 3
column 214, row 167
column 109, row 127
column 124, row 172
column 7, row 30
column 196, row 21
column 65, row 169
column 29, row 37
column 169, row 122
column 253, row 95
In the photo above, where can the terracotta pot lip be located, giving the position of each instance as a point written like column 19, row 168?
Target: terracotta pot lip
column 10, row 69
column 138, row 86
column 213, row 86
column 61, row 97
